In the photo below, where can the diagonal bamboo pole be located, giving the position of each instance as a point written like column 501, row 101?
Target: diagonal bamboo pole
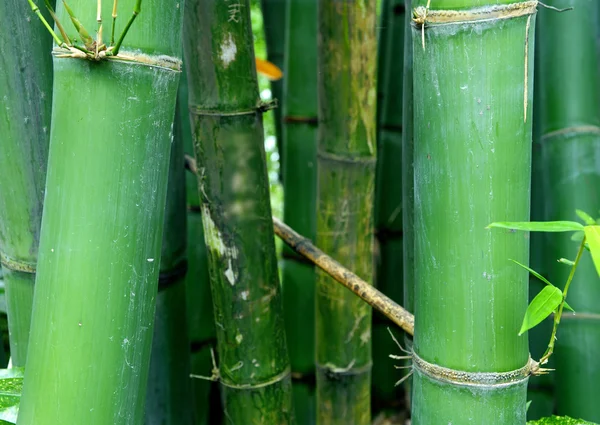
column 368, row 293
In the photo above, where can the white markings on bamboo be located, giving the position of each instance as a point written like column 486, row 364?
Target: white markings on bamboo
column 228, row 50
column 215, row 242
column 525, row 89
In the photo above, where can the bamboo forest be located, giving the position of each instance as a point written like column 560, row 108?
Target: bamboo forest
column 272, row 212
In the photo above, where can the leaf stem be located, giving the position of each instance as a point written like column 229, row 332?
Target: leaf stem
column 36, row 10
column 558, row 314
column 136, row 11
column 114, row 22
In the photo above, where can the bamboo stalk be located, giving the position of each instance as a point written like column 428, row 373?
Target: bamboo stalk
column 346, row 167
column 26, row 93
column 275, row 25
column 299, row 167
column 570, row 154
column 408, row 188
column 472, row 165
column 226, row 117
column 388, row 197
column 169, row 397
column 201, row 327
column 102, row 222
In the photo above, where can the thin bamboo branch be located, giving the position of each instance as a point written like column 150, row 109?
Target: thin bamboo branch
column 369, row 294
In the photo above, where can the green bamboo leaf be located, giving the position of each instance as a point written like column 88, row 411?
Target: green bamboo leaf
column 533, row 272
column 568, row 307
column 542, row 305
column 539, row 226
column 592, row 234
column 560, row 420
column 11, row 385
column 527, row 405
column 587, row 219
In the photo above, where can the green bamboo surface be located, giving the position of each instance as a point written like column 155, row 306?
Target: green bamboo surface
column 100, row 242
column 169, row 397
column 199, row 309
column 300, row 194
column 346, row 184
column 26, row 93
column 570, row 143
column 408, row 189
column 233, row 185
column 276, row 27
column 388, row 198
column 472, row 165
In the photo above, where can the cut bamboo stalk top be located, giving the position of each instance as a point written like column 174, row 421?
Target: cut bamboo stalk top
column 159, row 16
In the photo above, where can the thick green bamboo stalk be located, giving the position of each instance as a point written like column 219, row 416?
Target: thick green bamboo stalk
column 102, row 224
column 570, row 144
column 169, row 397
column 227, row 128
column 200, row 321
column 472, row 165
column 276, row 27
column 388, row 197
column 300, row 194
column 26, row 93
column 346, row 161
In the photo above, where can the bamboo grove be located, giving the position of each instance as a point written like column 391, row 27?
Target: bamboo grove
column 434, row 163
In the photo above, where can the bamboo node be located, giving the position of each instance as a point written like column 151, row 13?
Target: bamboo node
column 423, row 15
column 16, row 265
column 158, row 61
column 477, row 379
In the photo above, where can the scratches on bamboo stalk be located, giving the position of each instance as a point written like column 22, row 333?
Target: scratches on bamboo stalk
column 525, row 88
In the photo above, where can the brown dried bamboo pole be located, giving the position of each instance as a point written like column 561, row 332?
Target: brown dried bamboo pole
column 368, row 293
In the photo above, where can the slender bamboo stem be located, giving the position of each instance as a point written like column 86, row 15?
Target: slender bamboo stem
column 388, row 196
column 358, row 286
column 299, row 173
column 276, row 25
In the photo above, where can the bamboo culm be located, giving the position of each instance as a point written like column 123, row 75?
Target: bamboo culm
column 472, row 165
column 346, row 155
column 26, row 93
column 102, row 223
column 226, row 119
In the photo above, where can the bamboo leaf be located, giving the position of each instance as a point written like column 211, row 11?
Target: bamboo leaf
column 541, row 307
column 587, row 219
column 560, row 420
column 568, row 307
column 592, row 234
column 539, row 226
column 533, row 272
column 11, row 385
